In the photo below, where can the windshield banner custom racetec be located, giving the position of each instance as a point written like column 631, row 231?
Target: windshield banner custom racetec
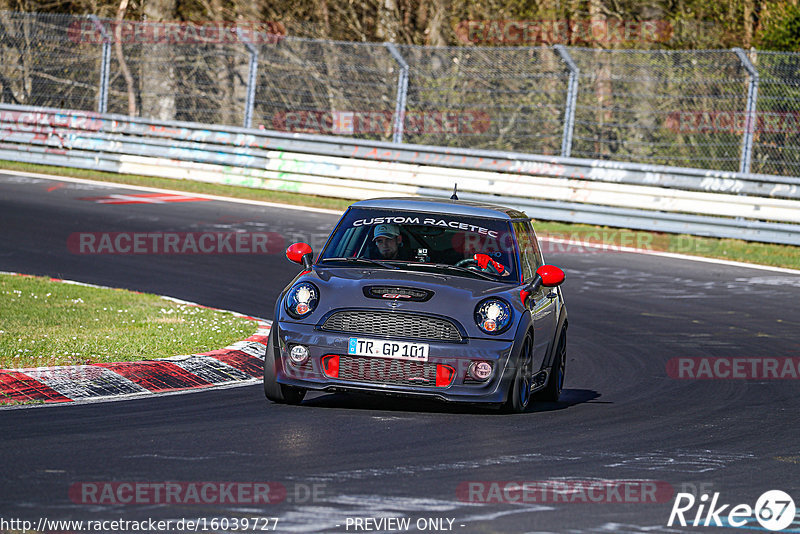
column 453, row 224
column 426, row 241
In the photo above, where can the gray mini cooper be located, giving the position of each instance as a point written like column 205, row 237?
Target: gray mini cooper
column 430, row 298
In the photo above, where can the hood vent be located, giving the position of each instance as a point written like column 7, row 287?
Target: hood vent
column 397, row 293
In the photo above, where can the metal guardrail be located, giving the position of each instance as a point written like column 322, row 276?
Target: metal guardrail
column 668, row 199
column 729, row 110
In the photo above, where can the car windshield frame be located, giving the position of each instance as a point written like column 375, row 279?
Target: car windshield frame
column 477, row 227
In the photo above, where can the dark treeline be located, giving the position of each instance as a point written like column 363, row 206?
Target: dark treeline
column 675, row 24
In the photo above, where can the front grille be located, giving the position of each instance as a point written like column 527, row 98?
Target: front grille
column 387, row 371
column 393, row 325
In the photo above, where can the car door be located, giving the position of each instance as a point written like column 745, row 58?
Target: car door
column 543, row 304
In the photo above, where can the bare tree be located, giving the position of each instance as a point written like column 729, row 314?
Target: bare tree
column 435, row 27
column 157, row 74
column 123, row 65
column 388, row 24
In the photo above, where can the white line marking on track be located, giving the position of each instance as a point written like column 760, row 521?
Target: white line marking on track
column 672, row 255
column 337, row 212
column 171, row 191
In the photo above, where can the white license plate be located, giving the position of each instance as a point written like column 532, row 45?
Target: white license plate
column 388, row 349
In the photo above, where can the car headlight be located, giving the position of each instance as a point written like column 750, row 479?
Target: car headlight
column 301, row 299
column 493, row 316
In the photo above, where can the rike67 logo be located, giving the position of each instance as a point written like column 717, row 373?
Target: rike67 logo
column 774, row 510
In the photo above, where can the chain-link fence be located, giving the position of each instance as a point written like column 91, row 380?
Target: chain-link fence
column 44, row 63
column 726, row 110
column 314, row 86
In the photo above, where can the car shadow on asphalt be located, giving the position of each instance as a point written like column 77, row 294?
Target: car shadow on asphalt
column 568, row 398
column 359, row 401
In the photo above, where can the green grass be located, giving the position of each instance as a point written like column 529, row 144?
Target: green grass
column 45, row 323
column 6, row 400
column 233, row 191
column 729, row 249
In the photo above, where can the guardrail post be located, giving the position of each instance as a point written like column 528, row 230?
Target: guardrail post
column 572, row 97
column 402, row 94
column 750, row 119
column 105, row 65
column 251, row 79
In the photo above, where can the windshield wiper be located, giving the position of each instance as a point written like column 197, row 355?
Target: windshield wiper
column 361, row 260
column 448, row 267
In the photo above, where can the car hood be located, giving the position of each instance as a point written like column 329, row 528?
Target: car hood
column 452, row 296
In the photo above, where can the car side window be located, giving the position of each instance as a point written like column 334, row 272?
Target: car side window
column 347, row 243
column 537, row 253
column 527, row 254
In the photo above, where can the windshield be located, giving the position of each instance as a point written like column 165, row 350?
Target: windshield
column 470, row 246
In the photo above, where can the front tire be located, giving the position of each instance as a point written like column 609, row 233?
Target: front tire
column 519, row 394
column 279, row 393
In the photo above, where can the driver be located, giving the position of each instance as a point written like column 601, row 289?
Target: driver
column 487, row 264
column 388, row 241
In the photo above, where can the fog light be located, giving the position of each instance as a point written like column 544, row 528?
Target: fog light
column 298, row 354
column 480, row 370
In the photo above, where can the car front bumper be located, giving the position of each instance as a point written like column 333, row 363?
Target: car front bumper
column 396, row 377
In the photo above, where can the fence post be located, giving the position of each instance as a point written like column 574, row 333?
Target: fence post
column 750, row 118
column 572, row 97
column 402, row 94
column 251, row 79
column 105, row 65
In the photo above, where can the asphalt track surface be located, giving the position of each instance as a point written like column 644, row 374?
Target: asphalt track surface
column 621, row 417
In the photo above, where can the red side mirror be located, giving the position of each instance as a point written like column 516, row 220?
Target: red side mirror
column 300, row 253
column 551, row 275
